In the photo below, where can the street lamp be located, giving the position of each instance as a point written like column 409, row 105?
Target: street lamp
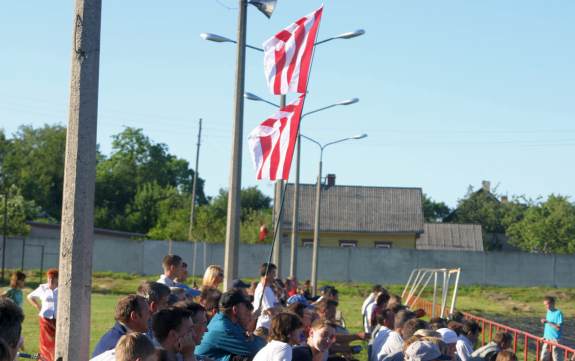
column 295, row 210
column 318, row 202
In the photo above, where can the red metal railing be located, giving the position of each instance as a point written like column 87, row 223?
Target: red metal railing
column 529, row 341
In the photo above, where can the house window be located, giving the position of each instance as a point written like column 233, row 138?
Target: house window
column 347, row 244
column 382, row 244
column 307, row 242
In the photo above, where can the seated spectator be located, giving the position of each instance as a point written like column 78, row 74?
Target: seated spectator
column 11, row 318
column 241, row 285
column 226, row 336
column 135, row 347
column 157, row 295
column 198, row 314
column 174, row 330
column 286, row 330
column 180, row 282
column 501, row 341
column 305, row 290
column 450, row 338
column 376, row 289
column 506, row 356
column 6, row 352
column 327, row 309
column 291, row 286
column 213, row 276
column 437, row 322
column 457, row 316
column 381, row 331
column 393, row 300
column 132, row 314
column 306, row 314
column 376, row 307
column 172, row 265
column 467, row 339
column 424, row 351
column 394, row 342
column 210, row 299
column 264, row 296
column 319, row 341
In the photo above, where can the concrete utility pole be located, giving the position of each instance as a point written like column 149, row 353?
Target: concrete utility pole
column 75, row 278
column 277, row 251
column 295, row 212
column 231, row 251
column 193, row 205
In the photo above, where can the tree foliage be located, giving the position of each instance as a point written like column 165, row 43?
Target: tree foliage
column 19, row 210
column 547, row 227
column 434, row 211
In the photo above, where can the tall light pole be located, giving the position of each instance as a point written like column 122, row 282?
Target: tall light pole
column 316, row 226
column 193, row 202
column 295, row 210
column 232, row 229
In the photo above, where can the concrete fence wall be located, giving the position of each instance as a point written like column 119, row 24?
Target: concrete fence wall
column 386, row 266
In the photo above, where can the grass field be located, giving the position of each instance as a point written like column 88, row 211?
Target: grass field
column 517, row 307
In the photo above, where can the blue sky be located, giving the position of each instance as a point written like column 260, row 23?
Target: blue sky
column 451, row 92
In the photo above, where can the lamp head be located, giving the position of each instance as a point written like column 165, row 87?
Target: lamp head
column 361, row 136
column 265, row 6
column 252, row 96
column 215, row 38
column 348, row 101
column 351, row 34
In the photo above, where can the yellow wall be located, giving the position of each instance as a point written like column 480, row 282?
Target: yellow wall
column 365, row 240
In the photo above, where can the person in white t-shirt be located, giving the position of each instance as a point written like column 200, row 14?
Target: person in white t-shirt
column 172, row 265
column 264, row 296
column 44, row 299
column 369, row 300
column 384, row 319
column 132, row 346
column 286, row 330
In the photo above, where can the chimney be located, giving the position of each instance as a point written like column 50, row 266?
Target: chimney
column 330, row 180
column 486, row 186
column 504, row 199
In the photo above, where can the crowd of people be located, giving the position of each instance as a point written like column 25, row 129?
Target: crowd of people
column 266, row 320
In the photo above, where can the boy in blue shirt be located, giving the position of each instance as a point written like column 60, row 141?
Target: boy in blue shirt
column 552, row 332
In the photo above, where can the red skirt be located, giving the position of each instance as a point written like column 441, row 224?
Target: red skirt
column 47, row 338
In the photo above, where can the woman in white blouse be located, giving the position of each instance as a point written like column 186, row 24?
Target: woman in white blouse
column 44, row 299
column 286, row 330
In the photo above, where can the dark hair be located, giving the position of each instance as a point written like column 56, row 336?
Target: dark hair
column 297, row 308
column 5, row 351
column 549, row 299
column 193, row 307
column 11, row 318
column 503, row 339
column 382, row 298
column 323, row 305
column 322, row 323
column 171, row 260
column 134, row 345
column 330, row 291
column 457, row 316
column 15, row 277
column 396, row 307
column 166, row 320
column 402, row 317
column 283, row 324
column 126, row 305
column 153, row 291
column 383, row 316
column 211, row 298
column 470, row 328
column 266, row 268
column 437, row 322
column 377, row 288
column 412, row 325
column 455, row 327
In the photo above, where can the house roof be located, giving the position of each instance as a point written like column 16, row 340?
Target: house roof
column 451, row 236
column 357, row 209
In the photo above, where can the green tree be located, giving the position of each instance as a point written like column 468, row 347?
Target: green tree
column 434, row 211
column 18, row 212
column 251, row 199
column 547, row 227
column 33, row 160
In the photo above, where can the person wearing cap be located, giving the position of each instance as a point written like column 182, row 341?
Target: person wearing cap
column 227, row 331
column 450, row 338
column 424, row 351
column 241, row 285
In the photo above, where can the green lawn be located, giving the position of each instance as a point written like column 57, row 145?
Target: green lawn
column 516, row 306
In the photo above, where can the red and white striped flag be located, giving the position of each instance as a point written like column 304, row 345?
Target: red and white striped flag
column 287, row 55
column 272, row 142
